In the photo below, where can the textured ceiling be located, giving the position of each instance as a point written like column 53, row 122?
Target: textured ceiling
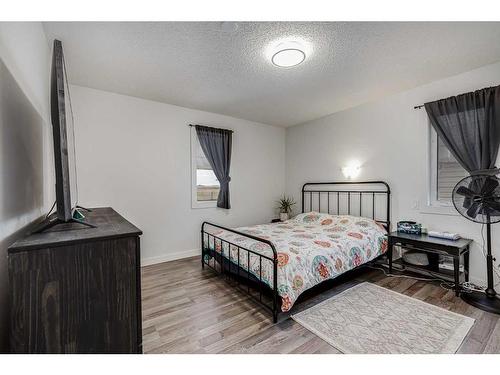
column 224, row 67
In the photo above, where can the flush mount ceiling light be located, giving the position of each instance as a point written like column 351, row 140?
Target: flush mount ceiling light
column 288, row 54
column 289, row 57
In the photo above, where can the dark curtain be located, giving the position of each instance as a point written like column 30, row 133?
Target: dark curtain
column 469, row 126
column 216, row 144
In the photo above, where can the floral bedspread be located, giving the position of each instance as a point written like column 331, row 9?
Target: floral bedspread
column 311, row 247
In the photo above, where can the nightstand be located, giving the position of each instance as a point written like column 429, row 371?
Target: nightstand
column 433, row 247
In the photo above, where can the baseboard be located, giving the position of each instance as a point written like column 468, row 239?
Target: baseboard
column 170, row 257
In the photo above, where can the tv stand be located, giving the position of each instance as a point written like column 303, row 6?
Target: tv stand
column 77, row 291
column 47, row 224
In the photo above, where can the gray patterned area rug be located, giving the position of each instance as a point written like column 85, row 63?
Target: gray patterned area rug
column 368, row 318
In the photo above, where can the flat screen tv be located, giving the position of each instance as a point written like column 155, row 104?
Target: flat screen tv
column 64, row 147
column 60, row 134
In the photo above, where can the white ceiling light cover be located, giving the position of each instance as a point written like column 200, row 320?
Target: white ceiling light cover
column 288, row 57
column 288, row 52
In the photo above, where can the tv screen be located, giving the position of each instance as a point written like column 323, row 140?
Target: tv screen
column 61, row 115
column 62, row 142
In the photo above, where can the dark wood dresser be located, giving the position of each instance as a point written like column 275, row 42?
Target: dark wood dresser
column 75, row 289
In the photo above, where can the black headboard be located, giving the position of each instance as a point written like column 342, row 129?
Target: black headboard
column 357, row 198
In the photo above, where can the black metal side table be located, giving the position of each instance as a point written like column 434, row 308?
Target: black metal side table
column 433, row 247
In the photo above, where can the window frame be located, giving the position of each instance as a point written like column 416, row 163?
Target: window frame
column 433, row 177
column 434, row 206
column 195, row 203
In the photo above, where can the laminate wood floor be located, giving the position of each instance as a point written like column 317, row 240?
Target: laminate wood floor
column 190, row 310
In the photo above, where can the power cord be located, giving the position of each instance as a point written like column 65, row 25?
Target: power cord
column 471, row 287
column 404, row 276
column 445, row 284
column 467, row 286
column 52, row 208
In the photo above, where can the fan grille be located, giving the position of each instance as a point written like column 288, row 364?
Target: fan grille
column 477, row 198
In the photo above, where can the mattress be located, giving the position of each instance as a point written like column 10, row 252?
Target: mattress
column 312, row 247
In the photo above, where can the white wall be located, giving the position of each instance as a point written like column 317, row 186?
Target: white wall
column 389, row 138
column 134, row 155
column 25, row 147
column 25, row 53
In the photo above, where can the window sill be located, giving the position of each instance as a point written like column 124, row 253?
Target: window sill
column 209, row 204
column 439, row 210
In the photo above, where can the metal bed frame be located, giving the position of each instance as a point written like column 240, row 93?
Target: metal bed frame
column 252, row 284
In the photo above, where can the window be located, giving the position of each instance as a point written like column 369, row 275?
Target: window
column 445, row 171
column 205, row 186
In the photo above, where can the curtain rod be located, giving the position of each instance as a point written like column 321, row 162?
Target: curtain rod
column 491, row 87
column 229, row 130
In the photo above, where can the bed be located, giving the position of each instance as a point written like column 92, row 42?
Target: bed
column 343, row 225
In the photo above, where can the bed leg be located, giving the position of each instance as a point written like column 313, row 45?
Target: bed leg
column 275, row 287
column 202, row 252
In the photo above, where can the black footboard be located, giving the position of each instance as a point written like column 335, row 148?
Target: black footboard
column 247, row 280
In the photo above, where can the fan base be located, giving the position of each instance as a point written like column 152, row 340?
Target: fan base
column 482, row 301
